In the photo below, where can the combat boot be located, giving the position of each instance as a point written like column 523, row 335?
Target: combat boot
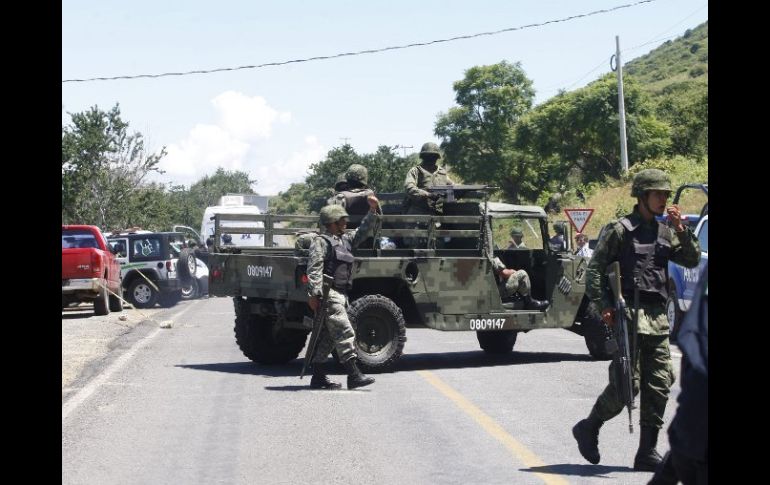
column 586, row 432
column 532, row 304
column 355, row 377
column 320, row 380
column 647, row 457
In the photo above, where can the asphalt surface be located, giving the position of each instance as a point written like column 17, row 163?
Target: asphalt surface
column 183, row 405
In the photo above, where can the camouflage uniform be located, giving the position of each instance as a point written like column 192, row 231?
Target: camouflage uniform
column 352, row 192
column 652, row 366
column 517, row 283
column 338, row 333
column 417, row 178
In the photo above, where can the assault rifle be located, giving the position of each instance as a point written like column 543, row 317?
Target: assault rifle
column 623, row 363
column 451, row 193
column 318, row 324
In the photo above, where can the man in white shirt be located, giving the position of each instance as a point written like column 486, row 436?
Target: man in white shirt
column 581, row 240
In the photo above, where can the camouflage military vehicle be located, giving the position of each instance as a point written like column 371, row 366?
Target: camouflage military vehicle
column 428, row 270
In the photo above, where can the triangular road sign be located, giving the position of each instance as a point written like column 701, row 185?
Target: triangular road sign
column 579, row 217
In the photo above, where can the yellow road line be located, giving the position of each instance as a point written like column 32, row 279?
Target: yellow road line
column 518, row 450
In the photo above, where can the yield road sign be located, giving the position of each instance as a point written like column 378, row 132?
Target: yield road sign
column 579, row 217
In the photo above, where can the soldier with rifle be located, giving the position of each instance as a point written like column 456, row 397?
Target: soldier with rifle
column 642, row 247
column 331, row 258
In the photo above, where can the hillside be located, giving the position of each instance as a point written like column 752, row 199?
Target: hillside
column 675, row 76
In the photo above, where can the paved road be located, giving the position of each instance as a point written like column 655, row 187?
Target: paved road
column 182, row 405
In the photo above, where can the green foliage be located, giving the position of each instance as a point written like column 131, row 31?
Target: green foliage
column 103, row 165
column 675, row 75
column 386, row 174
column 477, row 134
column 576, row 134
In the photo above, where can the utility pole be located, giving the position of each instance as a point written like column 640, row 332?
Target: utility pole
column 345, row 139
column 621, row 106
column 403, row 148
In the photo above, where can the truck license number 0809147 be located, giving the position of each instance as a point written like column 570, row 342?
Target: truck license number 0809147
column 487, row 323
column 259, row 271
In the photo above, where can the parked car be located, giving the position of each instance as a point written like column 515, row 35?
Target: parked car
column 682, row 281
column 154, row 266
column 198, row 286
column 88, row 269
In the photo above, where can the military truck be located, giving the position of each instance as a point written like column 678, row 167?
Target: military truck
column 432, row 270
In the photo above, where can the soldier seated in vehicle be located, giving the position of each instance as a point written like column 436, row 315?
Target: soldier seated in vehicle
column 517, row 286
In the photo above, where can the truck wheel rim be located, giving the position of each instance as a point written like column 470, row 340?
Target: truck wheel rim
column 142, row 293
column 374, row 334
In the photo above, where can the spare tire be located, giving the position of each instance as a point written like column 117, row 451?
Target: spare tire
column 380, row 331
column 186, row 265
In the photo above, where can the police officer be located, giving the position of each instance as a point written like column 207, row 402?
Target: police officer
column 557, row 242
column 643, row 247
column 426, row 174
column 331, row 254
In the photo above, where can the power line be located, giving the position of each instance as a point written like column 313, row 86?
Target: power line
column 551, row 88
column 358, row 53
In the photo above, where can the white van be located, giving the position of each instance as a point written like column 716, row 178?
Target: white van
column 239, row 240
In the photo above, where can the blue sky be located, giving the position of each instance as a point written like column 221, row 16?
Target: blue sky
column 273, row 122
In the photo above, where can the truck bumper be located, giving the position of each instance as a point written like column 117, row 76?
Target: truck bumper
column 83, row 285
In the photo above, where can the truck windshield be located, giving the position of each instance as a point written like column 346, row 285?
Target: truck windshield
column 74, row 238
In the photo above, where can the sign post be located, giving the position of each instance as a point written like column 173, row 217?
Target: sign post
column 579, row 217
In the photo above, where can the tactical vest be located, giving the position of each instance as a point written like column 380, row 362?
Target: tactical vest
column 339, row 264
column 354, row 201
column 641, row 243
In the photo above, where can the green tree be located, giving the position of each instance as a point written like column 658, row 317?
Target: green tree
column 576, row 134
column 477, row 134
column 102, row 165
column 190, row 204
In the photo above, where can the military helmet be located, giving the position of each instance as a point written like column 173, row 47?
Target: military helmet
column 357, row 173
column 516, row 231
column 650, row 179
column 332, row 213
column 429, row 148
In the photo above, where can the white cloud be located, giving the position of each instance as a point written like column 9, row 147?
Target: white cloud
column 247, row 117
column 205, row 148
column 277, row 176
column 242, row 122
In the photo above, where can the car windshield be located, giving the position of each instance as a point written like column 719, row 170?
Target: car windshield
column 73, row 238
column 530, row 228
column 703, row 236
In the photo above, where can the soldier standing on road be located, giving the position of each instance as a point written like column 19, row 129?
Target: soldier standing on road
column 331, row 254
column 643, row 247
column 426, row 174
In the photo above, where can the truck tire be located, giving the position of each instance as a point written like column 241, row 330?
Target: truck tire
column 190, row 289
column 116, row 304
column 186, row 265
column 141, row 294
column 497, row 342
column 101, row 304
column 380, row 331
column 595, row 335
column 260, row 339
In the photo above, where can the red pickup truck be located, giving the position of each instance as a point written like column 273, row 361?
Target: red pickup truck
column 87, row 267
